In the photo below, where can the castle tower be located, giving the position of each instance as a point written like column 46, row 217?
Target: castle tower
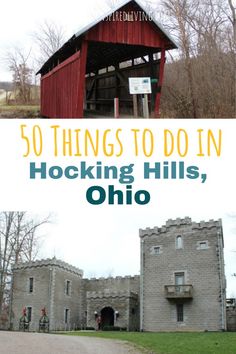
column 50, row 284
column 182, row 277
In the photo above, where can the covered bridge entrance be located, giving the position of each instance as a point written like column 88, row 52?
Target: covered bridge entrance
column 93, row 67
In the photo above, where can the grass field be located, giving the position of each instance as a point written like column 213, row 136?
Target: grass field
column 19, row 111
column 174, row 343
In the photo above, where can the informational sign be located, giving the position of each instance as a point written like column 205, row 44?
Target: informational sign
column 140, row 85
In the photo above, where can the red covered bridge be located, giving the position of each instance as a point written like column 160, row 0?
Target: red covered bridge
column 92, row 68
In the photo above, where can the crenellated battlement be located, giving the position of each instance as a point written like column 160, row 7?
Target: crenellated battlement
column 53, row 262
column 111, row 279
column 111, row 285
column 179, row 222
column 110, row 294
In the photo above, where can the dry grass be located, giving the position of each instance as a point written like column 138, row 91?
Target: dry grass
column 19, row 111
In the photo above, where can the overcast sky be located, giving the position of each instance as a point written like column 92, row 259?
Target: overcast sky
column 19, row 19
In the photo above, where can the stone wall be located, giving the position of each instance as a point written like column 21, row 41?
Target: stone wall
column 199, row 260
column 61, row 300
column 128, row 283
column 49, row 291
column 85, row 296
column 21, row 297
column 119, row 293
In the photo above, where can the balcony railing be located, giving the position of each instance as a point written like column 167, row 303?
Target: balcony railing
column 178, row 291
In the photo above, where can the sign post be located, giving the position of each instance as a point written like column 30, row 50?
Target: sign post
column 116, row 107
column 135, row 106
column 145, row 106
column 140, row 86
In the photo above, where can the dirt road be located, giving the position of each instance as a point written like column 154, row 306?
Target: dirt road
column 38, row 343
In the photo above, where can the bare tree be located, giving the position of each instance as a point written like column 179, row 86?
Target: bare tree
column 49, row 38
column 233, row 18
column 179, row 10
column 200, row 81
column 18, row 64
column 212, row 58
column 18, row 242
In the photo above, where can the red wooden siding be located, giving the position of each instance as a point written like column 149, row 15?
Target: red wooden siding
column 128, row 32
column 81, row 88
column 59, row 89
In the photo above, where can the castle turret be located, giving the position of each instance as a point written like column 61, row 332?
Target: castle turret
column 182, row 277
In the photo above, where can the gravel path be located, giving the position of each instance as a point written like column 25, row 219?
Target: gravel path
column 38, row 343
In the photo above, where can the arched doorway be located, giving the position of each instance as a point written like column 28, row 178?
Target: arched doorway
column 107, row 317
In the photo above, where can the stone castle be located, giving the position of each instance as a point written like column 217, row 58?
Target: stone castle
column 181, row 286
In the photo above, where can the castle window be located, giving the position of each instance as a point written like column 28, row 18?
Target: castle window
column 179, row 242
column 157, row 250
column 31, row 285
column 68, row 287
column 180, row 312
column 66, row 315
column 202, row 245
column 29, row 313
column 179, row 278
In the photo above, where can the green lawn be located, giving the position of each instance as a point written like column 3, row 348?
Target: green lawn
column 174, row 343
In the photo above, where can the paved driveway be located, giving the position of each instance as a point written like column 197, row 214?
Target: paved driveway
column 38, row 343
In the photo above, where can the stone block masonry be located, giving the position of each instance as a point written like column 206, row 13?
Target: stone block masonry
column 49, row 283
column 181, row 286
column 182, row 277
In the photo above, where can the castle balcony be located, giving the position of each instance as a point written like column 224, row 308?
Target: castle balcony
column 179, row 291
